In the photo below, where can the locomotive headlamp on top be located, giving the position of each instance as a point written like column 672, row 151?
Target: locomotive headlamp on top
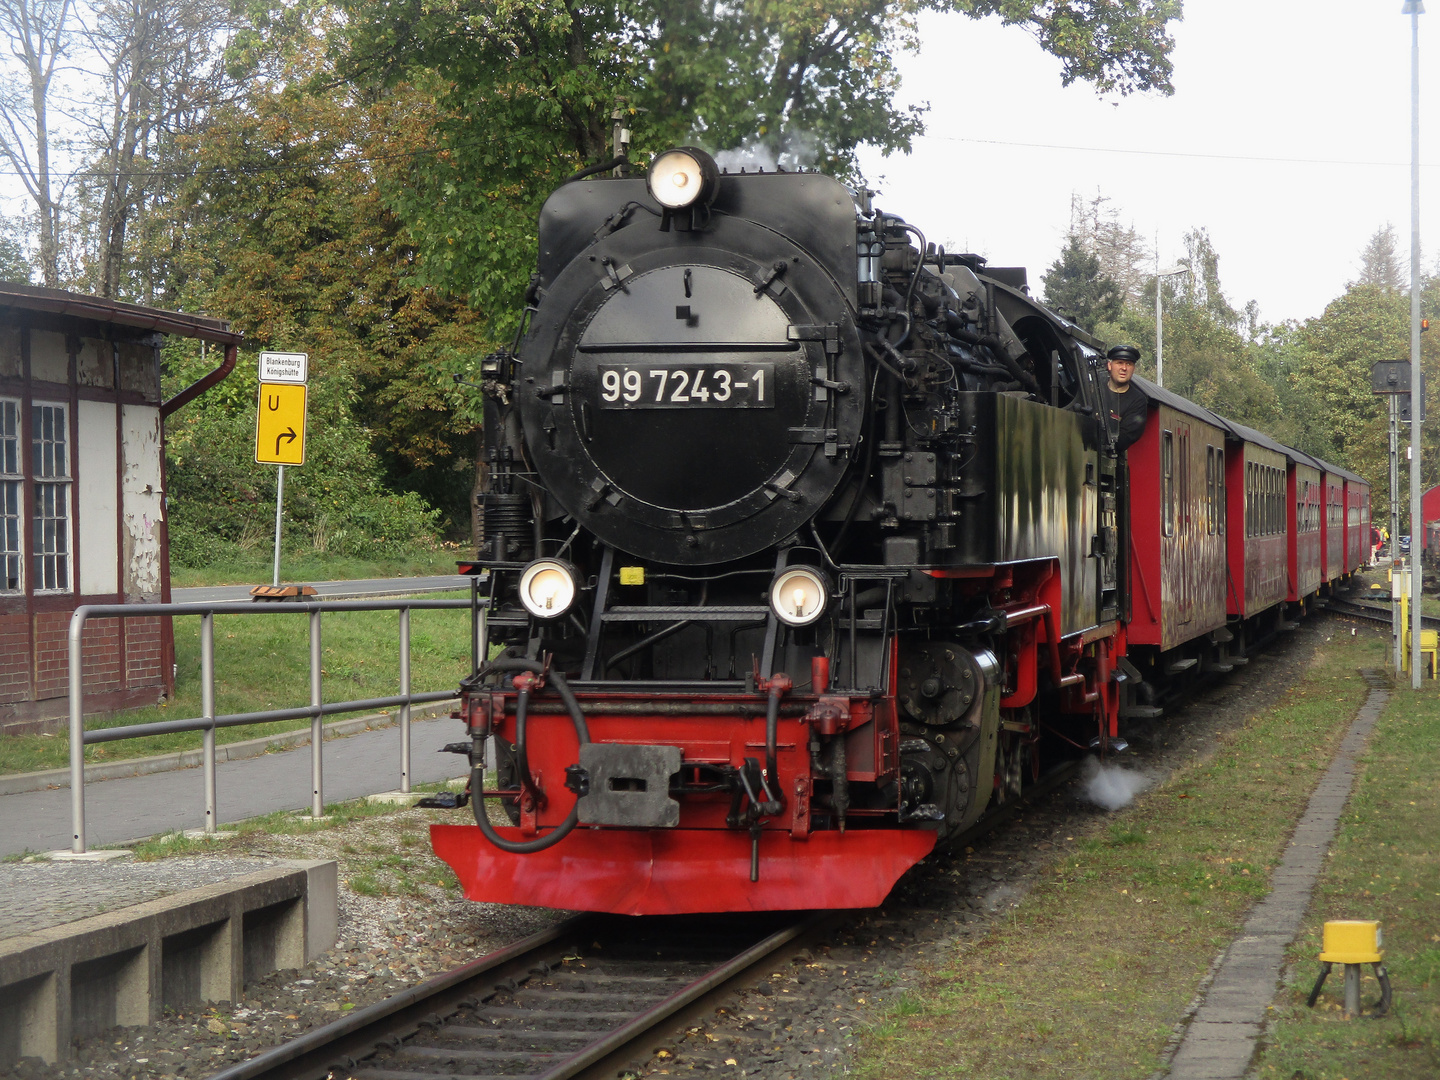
column 683, row 181
column 547, row 588
column 798, row 595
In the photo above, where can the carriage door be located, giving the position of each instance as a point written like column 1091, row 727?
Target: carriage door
column 1185, row 546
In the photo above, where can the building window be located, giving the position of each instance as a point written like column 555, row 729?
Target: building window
column 11, row 496
column 50, row 465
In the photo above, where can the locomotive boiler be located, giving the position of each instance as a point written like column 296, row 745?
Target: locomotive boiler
column 804, row 546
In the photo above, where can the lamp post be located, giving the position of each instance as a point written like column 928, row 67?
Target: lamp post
column 1415, row 8
column 1160, row 275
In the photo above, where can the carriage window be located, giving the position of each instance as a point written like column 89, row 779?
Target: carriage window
column 1167, row 480
column 1269, row 475
column 1277, row 478
column 1182, row 476
column 1209, row 489
column 1249, row 499
column 1220, row 490
column 1268, row 510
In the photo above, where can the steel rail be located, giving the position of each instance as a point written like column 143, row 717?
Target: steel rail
column 333, row 1050
column 1357, row 610
column 364, row 1026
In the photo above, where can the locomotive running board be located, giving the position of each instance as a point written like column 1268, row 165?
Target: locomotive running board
column 683, row 871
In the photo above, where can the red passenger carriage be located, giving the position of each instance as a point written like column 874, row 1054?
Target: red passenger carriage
column 1304, row 492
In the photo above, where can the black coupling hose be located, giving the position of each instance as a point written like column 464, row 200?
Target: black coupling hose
column 477, row 773
column 599, row 167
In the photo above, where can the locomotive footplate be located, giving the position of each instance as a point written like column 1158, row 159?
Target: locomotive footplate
column 626, row 785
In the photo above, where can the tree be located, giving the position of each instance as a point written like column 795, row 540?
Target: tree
column 1333, row 355
column 1122, row 252
column 526, row 91
column 38, row 33
column 1379, row 264
column 1201, row 286
column 159, row 73
column 283, row 228
column 1076, row 287
column 1120, row 46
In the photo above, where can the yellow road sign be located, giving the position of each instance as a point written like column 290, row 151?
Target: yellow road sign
column 280, row 426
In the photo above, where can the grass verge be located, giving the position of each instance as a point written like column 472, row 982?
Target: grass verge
column 1384, row 865
column 1089, row 975
column 263, row 662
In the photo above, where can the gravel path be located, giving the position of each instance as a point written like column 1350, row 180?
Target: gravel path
column 797, row 1023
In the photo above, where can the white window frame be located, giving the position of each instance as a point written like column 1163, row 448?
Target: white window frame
column 52, row 551
column 12, row 497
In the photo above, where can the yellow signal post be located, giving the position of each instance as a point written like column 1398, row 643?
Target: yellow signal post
column 1353, row 942
column 280, row 424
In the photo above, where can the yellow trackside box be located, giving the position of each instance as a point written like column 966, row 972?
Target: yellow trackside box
column 1352, row 941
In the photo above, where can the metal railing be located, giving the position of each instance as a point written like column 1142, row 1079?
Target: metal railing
column 208, row 722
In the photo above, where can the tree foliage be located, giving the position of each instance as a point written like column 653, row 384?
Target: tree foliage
column 284, row 227
column 219, row 498
column 1077, row 288
column 528, row 89
column 1380, row 263
column 1120, row 249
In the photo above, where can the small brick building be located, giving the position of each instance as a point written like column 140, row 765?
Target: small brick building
column 82, row 496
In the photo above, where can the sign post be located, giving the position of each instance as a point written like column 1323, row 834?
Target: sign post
column 1391, row 378
column 280, row 423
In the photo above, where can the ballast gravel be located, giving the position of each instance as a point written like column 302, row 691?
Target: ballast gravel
column 796, row 1020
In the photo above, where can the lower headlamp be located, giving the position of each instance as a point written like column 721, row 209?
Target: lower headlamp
column 798, row 595
column 547, row 588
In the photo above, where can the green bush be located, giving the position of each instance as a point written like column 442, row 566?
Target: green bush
column 221, row 500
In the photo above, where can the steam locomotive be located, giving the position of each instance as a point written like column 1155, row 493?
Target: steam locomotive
column 805, row 545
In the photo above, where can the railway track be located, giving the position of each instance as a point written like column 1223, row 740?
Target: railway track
column 551, row 1006
column 559, row 1003
column 1352, row 609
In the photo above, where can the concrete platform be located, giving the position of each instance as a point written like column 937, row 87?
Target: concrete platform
column 86, row 947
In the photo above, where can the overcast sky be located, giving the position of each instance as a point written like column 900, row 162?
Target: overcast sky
column 1287, row 137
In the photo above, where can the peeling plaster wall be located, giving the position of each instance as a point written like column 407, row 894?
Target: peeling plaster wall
column 95, row 363
column 49, row 357
column 143, row 502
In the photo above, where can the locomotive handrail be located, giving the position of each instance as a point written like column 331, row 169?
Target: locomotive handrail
column 207, row 722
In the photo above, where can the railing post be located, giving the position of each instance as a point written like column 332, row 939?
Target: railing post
column 207, row 712
column 77, row 733
column 405, row 706
column 317, row 726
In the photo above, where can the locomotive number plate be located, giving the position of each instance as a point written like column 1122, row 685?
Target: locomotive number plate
column 693, row 386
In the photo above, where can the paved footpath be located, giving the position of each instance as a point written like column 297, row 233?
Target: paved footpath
column 138, row 806
column 1223, row 1035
